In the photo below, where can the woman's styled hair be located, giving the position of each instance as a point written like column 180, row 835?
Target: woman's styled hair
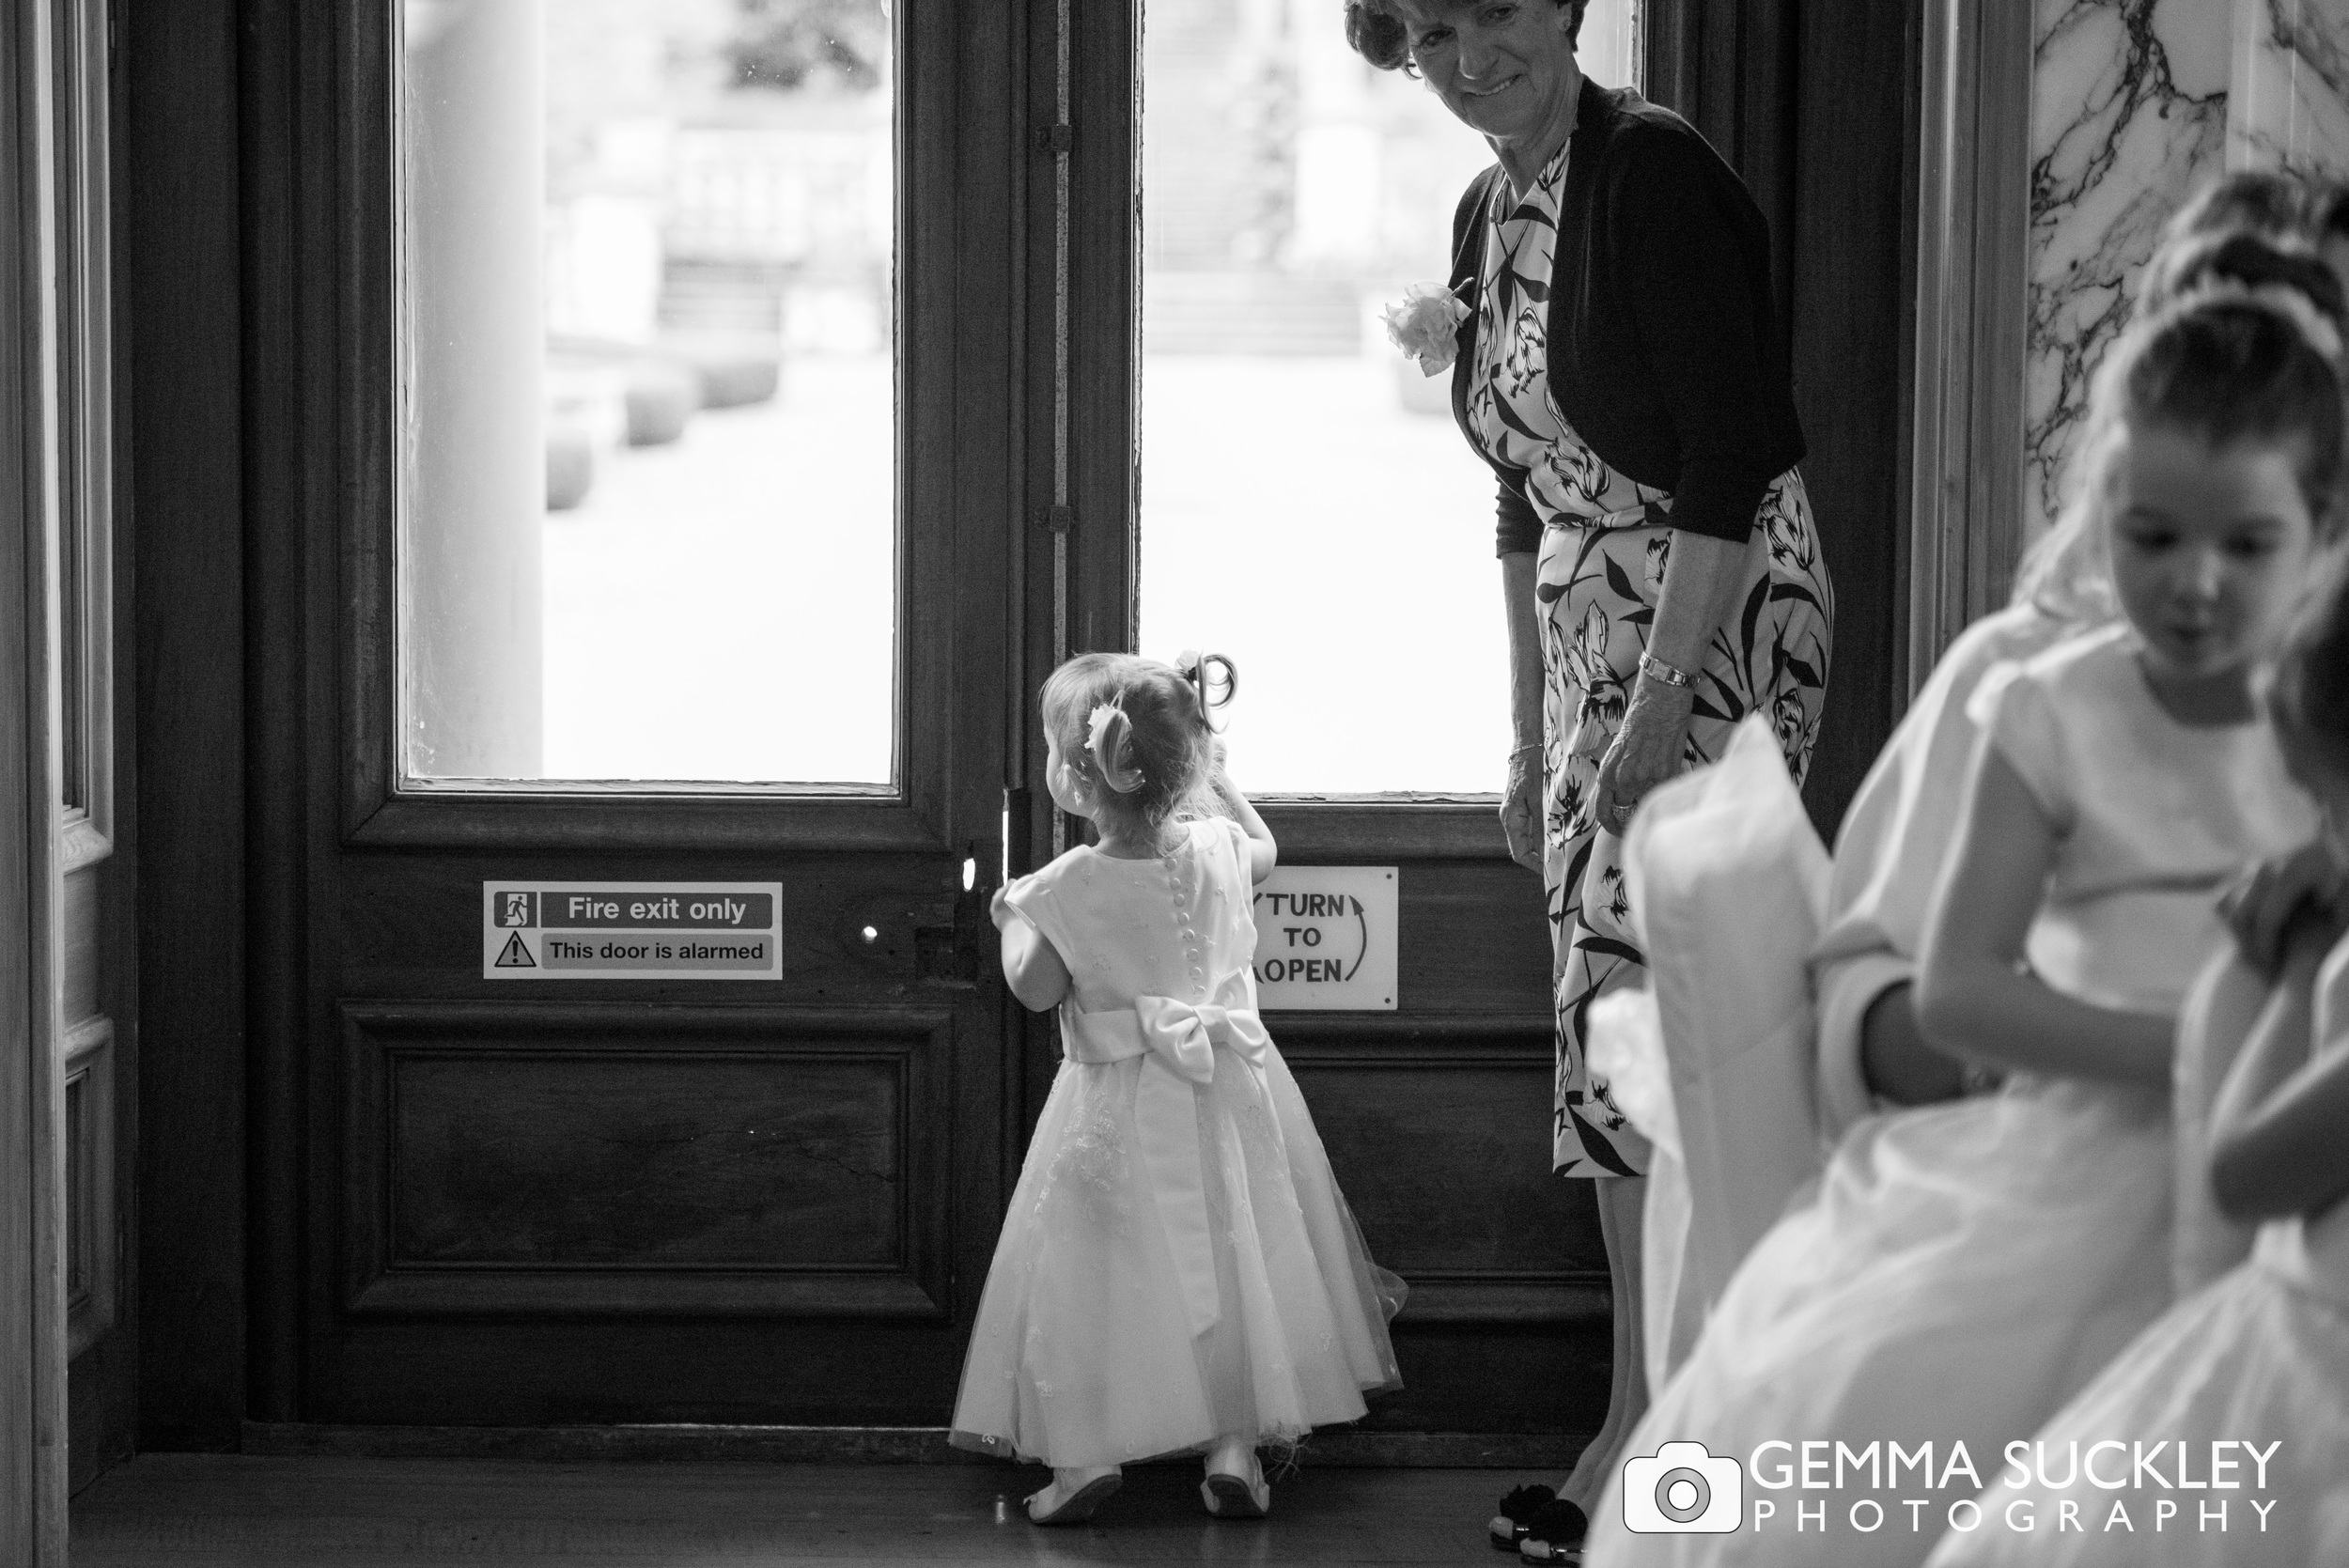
column 2244, row 344
column 1137, row 732
column 2307, row 693
column 1378, row 35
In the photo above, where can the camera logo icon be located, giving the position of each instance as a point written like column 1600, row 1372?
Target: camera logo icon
column 1681, row 1489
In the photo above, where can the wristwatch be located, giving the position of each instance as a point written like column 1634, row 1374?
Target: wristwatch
column 1655, row 669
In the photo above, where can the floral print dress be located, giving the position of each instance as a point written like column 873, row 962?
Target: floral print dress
column 1598, row 576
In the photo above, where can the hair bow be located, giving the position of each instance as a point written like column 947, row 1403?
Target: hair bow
column 1106, row 734
column 1192, row 666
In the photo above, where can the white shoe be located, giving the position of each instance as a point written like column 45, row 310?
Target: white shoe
column 1073, row 1495
column 1236, row 1487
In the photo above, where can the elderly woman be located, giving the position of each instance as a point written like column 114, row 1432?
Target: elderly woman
column 1621, row 366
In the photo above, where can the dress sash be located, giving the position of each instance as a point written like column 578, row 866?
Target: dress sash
column 1178, row 1042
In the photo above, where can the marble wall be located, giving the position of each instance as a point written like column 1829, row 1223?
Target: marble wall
column 2128, row 115
column 2135, row 102
column 2288, row 99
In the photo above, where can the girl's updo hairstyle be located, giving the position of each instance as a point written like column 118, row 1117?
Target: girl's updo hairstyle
column 1155, row 761
column 1377, row 33
column 2275, row 204
column 2212, row 261
column 2308, row 684
column 2244, row 347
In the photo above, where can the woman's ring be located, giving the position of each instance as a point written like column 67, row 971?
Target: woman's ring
column 1623, row 814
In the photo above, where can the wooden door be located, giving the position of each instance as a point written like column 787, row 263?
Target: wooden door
column 32, row 1103
column 563, row 1201
column 380, row 1189
column 67, row 1104
column 98, row 1010
column 64, row 1109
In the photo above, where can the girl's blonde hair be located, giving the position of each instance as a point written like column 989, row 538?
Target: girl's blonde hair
column 1138, row 733
column 2246, row 348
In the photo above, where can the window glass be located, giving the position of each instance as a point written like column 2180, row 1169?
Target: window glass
column 1308, row 505
column 649, row 499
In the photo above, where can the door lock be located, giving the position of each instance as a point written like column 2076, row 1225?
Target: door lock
column 953, row 954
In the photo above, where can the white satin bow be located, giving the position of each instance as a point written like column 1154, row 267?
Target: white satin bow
column 1179, row 1041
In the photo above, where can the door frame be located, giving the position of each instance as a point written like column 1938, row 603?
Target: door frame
column 1973, row 320
column 32, row 1092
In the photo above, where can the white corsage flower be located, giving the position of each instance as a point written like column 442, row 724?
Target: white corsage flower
column 1426, row 326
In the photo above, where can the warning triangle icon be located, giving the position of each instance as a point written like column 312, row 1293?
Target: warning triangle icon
column 516, row 956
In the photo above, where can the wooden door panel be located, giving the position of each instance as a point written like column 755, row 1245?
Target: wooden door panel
column 1444, row 1153
column 633, row 1161
column 1475, row 932
column 92, row 1233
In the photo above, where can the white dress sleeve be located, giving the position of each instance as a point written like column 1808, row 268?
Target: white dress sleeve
column 1896, row 834
column 2018, row 720
column 1034, row 899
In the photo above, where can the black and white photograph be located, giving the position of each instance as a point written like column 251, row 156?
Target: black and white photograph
column 805, row 782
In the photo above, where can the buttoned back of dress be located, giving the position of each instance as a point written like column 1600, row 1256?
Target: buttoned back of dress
column 1181, row 925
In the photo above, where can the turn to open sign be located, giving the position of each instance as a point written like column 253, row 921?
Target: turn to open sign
column 1326, row 939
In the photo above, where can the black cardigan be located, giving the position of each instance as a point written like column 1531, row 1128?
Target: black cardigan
column 1665, row 350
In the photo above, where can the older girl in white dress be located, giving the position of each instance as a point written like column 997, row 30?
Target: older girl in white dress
column 1178, row 1270
column 1965, row 1268
column 2240, row 1392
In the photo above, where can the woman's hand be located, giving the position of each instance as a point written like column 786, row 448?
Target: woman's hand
column 1521, row 807
column 1648, row 750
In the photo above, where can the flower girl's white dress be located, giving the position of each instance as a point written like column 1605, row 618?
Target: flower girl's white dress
column 1177, row 1263
column 2261, row 1356
column 1965, row 1268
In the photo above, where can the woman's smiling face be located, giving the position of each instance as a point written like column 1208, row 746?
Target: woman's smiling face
column 1505, row 67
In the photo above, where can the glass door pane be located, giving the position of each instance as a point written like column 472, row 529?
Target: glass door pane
column 1308, row 505
column 649, row 520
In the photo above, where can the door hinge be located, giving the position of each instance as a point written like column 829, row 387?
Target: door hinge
column 1059, row 139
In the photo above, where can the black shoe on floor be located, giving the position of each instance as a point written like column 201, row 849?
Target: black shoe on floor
column 1510, row 1526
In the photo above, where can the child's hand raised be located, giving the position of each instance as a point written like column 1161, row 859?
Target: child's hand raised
column 2268, row 900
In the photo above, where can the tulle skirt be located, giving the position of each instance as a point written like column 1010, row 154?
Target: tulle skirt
column 2261, row 1356
column 1083, row 1353
column 1963, row 1270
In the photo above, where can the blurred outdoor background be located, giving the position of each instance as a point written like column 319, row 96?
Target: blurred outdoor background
column 714, row 566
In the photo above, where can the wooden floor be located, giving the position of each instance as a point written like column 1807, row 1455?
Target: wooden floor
column 181, row 1511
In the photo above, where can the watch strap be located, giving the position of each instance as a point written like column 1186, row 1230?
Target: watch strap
column 1655, row 669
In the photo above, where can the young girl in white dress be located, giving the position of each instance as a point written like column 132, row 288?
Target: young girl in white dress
column 2260, row 1357
column 1965, row 1268
column 1178, row 1270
